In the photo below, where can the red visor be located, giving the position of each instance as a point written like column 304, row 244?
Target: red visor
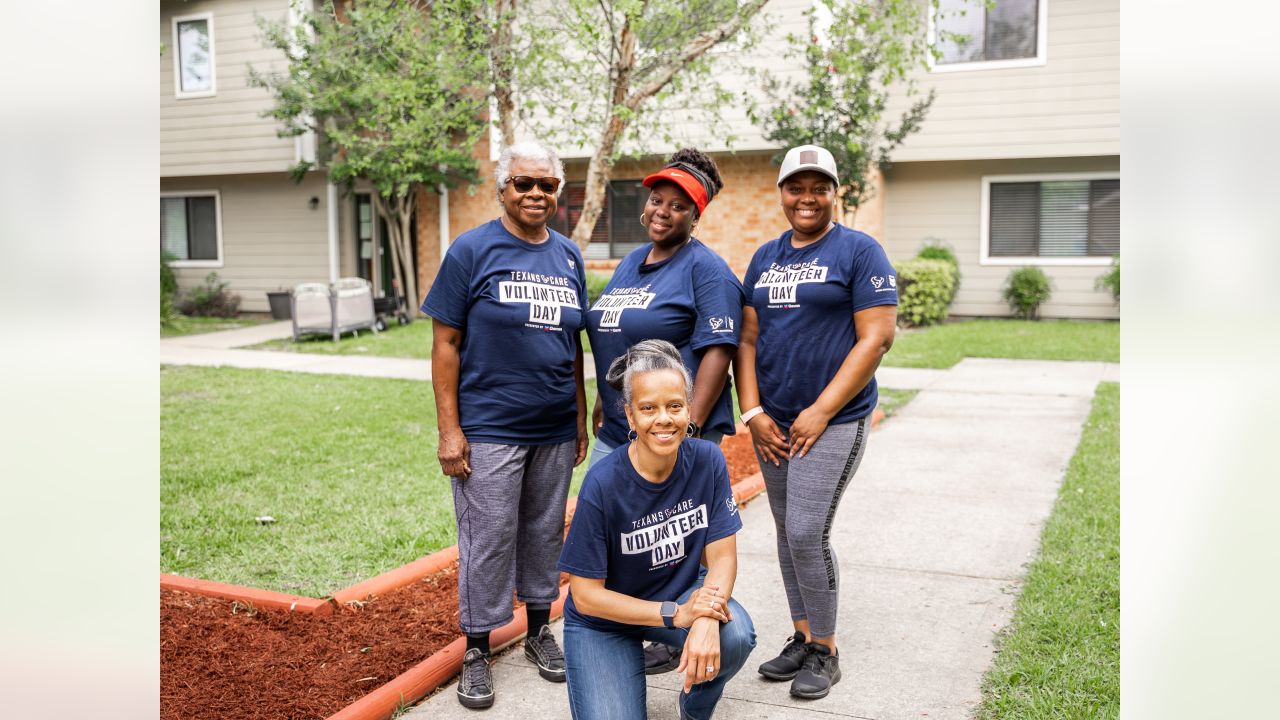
column 687, row 182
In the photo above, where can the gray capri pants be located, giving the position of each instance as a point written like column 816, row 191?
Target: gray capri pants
column 803, row 495
column 510, row 529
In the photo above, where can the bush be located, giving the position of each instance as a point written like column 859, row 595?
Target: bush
column 168, row 281
column 168, row 288
column 935, row 249
column 210, row 299
column 925, row 289
column 1025, row 289
column 596, row 283
column 1111, row 281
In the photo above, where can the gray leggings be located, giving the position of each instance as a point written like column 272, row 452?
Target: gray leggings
column 510, row 529
column 803, row 495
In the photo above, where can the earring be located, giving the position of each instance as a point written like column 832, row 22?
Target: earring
column 692, row 430
column 632, row 435
column 642, row 222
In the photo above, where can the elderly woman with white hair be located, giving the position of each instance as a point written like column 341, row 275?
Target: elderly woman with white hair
column 508, row 306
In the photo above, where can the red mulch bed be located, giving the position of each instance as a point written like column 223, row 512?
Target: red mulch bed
column 223, row 661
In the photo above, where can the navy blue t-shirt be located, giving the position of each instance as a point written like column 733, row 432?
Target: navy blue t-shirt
column 520, row 307
column 692, row 300
column 646, row 539
column 804, row 300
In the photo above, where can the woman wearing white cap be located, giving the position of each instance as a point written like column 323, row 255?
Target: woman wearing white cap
column 820, row 315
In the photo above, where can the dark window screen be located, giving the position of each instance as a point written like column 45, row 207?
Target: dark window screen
column 618, row 230
column 1060, row 218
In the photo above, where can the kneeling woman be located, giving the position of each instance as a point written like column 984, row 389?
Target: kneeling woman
column 652, row 553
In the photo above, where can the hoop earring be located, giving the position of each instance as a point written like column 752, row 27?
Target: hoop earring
column 690, row 430
column 632, row 435
column 643, row 224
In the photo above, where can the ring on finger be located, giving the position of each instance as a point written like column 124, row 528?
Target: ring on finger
column 711, row 669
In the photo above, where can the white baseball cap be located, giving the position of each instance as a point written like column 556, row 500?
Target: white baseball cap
column 808, row 157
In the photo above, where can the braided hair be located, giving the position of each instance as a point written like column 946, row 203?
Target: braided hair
column 699, row 165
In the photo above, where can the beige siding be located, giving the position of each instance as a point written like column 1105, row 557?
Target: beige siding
column 943, row 200
column 1070, row 106
column 271, row 238
column 223, row 134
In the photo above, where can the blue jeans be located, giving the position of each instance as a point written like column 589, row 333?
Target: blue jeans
column 606, row 669
column 600, row 449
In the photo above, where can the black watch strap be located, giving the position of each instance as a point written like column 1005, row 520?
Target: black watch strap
column 669, row 608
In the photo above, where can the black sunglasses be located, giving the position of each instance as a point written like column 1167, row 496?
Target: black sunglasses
column 524, row 183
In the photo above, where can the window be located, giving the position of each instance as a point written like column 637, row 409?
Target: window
column 193, row 67
column 1050, row 220
column 618, row 230
column 1009, row 34
column 190, row 228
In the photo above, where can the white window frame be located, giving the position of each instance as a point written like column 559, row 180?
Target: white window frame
column 985, row 258
column 1042, row 47
column 217, row 220
column 177, row 59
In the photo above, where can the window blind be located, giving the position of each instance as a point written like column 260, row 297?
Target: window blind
column 189, row 227
column 1061, row 218
column 618, row 230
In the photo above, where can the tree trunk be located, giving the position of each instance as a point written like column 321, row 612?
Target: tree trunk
column 410, row 284
column 393, row 228
column 600, row 168
column 504, row 18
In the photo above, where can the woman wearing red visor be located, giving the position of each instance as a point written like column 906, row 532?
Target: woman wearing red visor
column 675, row 289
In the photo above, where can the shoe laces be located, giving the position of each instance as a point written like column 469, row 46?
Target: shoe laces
column 546, row 642
column 815, row 662
column 794, row 647
column 476, row 671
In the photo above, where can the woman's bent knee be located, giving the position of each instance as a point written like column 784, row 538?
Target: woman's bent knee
column 737, row 638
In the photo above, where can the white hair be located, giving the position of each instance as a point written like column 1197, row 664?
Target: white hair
column 644, row 357
column 531, row 151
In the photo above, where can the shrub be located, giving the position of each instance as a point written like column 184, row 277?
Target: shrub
column 935, row 249
column 1025, row 289
column 168, row 287
column 168, row 281
column 1111, row 281
column 210, row 299
column 596, row 283
column 925, row 289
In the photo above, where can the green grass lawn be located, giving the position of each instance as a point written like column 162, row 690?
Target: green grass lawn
column 403, row 341
column 1060, row 658
column 184, row 325
column 347, row 467
column 945, row 345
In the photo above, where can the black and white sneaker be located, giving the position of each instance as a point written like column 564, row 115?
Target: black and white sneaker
column 788, row 662
column 545, row 653
column 661, row 658
column 475, row 687
column 820, row 671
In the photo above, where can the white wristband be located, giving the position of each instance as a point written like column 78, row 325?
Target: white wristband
column 746, row 416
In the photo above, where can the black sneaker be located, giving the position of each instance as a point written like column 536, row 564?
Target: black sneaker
column 821, row 670
column 661, row 658
column 788, row 662
column 545, row 653
column 475, row 687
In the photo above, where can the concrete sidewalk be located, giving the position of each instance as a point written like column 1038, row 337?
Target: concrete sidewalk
column 933, row 537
